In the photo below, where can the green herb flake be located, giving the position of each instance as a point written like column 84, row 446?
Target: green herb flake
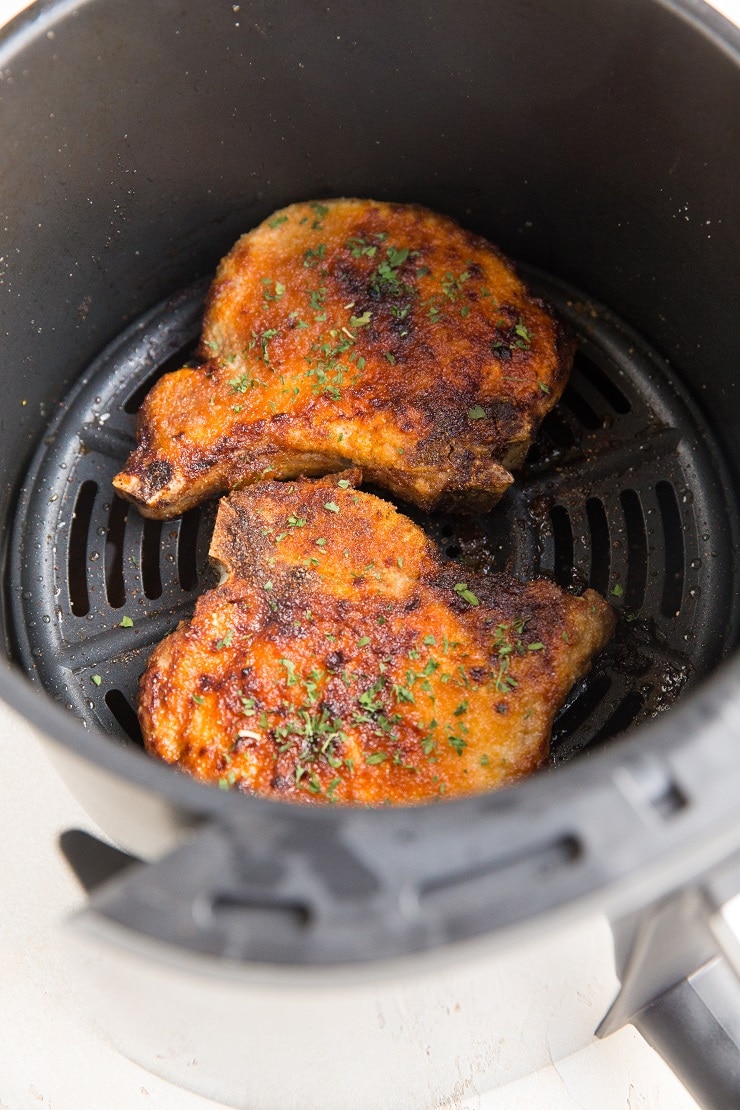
column 321, row 542
column 291, row 677
column 403, row 693
column 361, row 321
column 363, row 641
column 226, row 641
column 375, row 758
column 617, row 591
column 430, row 641
column 314, row 255
column 272, row 295
column 391, row 358
column 197, row 699
column 343, row 483
column 321, row 210
column 96, row 679
column 126, row 623
column 543, row 386
column 477, row 413
column 331, row 507
column 461, row 589
column 276, row 221
column 525, row 339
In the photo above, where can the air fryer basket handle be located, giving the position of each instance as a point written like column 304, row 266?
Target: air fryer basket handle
column 677, row 960
column 695, row 1026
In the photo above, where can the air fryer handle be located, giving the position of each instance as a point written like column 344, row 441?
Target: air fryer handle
column 695, row 1026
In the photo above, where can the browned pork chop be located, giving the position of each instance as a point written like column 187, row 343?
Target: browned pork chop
column 343, row 660
column 355, row 332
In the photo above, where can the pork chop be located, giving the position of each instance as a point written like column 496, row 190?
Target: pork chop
column 343, row 660
column 352, row 332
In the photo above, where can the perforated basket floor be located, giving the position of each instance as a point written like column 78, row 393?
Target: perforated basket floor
column 623, row 491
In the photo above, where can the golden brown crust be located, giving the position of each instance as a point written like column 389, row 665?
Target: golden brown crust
column 343, row 660
column 353, row 332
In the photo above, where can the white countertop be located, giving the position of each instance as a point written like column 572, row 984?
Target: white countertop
column 52, row 1055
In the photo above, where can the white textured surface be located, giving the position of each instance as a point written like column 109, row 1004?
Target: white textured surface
column 53, row 1056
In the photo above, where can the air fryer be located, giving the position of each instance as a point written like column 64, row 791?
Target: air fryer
column 598, row 146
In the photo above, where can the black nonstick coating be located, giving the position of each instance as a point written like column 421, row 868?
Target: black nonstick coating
column 620, row 492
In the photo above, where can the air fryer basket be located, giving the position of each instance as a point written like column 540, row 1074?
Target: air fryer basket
column 596, row 143
column 624, row 491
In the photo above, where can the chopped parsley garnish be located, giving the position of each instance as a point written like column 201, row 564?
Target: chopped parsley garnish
column 376, row 757
column 272, row 294
column 385, row 279
column 126, row 623
column 476, row 413
column 317, row 298
column 396, row 257
column 263, row 339
column 461, row 589
column 403, row 693
column 452, row 286
column 241, row 384
column 314, row 255
column 359, row 246
column 291, row 676
column 277, row 220
column 524, row 339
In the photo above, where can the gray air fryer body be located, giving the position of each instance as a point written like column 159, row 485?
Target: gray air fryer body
column 597, row 144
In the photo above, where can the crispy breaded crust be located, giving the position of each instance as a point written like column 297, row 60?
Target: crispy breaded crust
column 342, row 659
column 352, row 332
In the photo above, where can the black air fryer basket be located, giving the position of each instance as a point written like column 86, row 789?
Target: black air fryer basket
column 598, row 146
